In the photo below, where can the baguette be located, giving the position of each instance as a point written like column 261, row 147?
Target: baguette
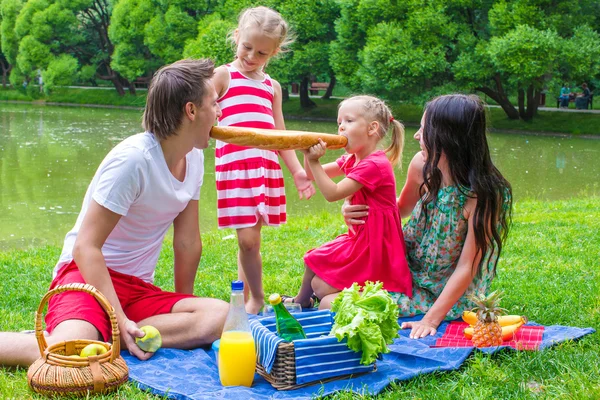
column 275, row 139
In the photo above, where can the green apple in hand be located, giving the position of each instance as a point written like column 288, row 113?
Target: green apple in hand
column 151, row 341
column 93, row 349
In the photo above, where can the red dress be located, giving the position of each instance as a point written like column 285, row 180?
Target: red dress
column 376, row 250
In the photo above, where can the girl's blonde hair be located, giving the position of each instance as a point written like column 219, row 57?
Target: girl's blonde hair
column 377, row 110
column 269, row 21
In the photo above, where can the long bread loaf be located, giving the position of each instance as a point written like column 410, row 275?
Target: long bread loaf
column 275, row 139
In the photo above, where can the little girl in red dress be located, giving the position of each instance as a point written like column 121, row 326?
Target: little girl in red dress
column 375, row 250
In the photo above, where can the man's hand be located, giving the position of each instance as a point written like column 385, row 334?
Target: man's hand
column 129, row 331
column 303, row 184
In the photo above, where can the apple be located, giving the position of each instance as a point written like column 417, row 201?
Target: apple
column 93, row 349
column 151, row 341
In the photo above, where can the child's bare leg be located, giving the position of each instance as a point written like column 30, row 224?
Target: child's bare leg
column 324, row 291
column 306, row 291
column 250, row 263
column 325, row 302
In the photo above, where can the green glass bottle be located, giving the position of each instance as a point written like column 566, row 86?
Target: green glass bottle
column 288, row 327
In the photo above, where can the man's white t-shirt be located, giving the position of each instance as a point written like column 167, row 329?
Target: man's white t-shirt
column 134, row 181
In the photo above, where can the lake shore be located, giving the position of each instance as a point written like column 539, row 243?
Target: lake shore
column 547, row 123
column 548, row 271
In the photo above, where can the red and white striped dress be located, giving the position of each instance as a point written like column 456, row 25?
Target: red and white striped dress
column 249, row 181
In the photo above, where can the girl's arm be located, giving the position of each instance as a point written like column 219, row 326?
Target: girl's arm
column 331, row 191
column 221, row 80
column 456, row 286
column 332, row 169
column 303, row 184
column 410, row 192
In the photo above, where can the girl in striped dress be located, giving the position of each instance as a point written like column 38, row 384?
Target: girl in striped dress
column 250, row 189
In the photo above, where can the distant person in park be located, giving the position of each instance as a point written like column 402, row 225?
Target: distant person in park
column 565, row 95
column 144, row 185
column 375, row 250
column 459, row 206
column 582, row 100
column 250, row 187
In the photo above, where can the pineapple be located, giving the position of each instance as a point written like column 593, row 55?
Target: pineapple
column 487, row 332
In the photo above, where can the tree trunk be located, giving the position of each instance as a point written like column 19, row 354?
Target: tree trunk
column 533, row 97
column 305, row 101
column 5, row 71
column 521, row 102
column 285, row 93
column 329, row 90
column 131, row 88
column 502, row 101
column 500, row 97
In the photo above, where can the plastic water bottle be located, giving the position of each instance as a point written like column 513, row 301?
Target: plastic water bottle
column 288, row 327
column 237, row 352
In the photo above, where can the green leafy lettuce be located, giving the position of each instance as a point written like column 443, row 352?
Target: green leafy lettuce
column 367, row 317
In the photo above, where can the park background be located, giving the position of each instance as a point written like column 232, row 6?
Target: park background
column 514, row 54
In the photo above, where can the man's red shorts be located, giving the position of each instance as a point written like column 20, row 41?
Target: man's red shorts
column 138, row 299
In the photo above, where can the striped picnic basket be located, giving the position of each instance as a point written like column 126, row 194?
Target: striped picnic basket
column 319, row 358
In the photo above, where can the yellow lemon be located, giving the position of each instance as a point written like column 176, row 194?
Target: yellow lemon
column 93, row 349
column 152, row 341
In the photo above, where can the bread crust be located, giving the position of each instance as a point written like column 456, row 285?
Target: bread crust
column 275, row 139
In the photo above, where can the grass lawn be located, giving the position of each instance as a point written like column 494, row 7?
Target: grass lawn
column 549, row 272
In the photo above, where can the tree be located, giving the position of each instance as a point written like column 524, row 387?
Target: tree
column 211, row 41
column 522, row 46
column 312, row 23
column 48, row 30
column 9, row 9
column 151, row 33
column 415, row 49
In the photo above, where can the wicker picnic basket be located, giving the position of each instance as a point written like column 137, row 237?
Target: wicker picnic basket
column 283, row 374
column 55, row 373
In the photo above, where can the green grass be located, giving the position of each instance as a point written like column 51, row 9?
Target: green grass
column 549, row 272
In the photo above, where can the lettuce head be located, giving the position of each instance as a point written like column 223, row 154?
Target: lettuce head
column 368, row 317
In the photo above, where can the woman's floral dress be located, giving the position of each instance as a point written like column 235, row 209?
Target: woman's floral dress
column 433, row 246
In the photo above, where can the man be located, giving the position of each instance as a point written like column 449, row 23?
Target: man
column 146, row 183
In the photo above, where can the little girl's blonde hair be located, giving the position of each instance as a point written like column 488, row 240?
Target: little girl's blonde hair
column 377, row 110
column 269, row 21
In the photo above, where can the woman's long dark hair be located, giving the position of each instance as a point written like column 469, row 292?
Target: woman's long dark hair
column 455, row 125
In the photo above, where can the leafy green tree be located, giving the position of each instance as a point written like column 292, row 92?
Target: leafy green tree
column 151, row 33
column 312, row 22
column 131, row 57
column 47, row 30
column 9, row 10
column 522, row 46
column 211, row 41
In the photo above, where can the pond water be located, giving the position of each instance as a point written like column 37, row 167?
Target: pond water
column 49, row 154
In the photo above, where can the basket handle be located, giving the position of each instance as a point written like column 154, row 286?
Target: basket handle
column 78, row 287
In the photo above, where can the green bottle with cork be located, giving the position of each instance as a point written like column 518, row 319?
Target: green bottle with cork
column 288, row 327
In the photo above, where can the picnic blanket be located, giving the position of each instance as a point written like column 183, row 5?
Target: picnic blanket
column 193, row 374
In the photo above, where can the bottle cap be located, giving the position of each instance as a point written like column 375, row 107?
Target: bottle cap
column 237, row 285
column 275, row 299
